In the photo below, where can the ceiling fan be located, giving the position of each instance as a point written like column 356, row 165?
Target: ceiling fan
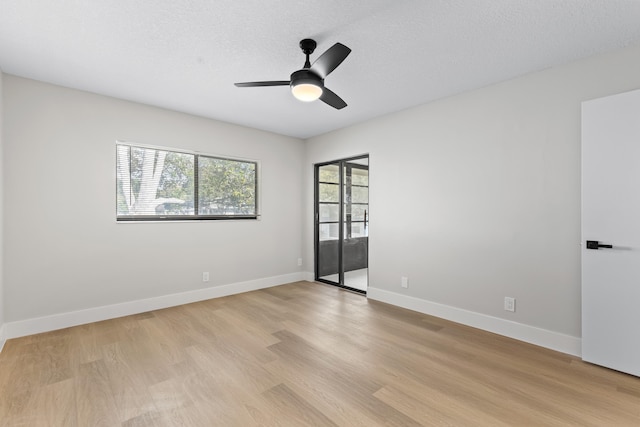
column 307, row 84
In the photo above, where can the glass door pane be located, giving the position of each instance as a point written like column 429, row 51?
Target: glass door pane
column 328, row 222
column 356, row 217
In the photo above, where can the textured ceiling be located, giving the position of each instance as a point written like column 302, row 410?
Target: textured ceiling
column 186, row 55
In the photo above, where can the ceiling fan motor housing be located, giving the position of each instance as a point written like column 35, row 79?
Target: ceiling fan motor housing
column 306, row 77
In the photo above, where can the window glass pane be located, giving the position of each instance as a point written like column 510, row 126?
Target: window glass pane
column 329, row 212
column 358, row 229
column 328, row 193
column 154, row 182
column 328, row 231
column 329, row 173
column 226, row 187
column 161, row 184
column 359, row 195
column 358, row 211
column 359, row 176
column 123, row 180
column 176, row 186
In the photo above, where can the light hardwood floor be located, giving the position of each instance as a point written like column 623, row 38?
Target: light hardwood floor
column 296, row 355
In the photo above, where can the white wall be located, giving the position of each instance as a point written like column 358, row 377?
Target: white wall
column 65, row 252
column 1, row 216
column 477, row 197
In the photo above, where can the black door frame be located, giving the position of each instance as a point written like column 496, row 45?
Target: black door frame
column 341, row 220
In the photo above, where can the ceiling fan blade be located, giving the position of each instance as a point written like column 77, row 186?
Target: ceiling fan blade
column 330, row 98
column 257, row 84
column 328, row 61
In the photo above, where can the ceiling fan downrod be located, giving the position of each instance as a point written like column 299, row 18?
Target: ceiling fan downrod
column 307, row 46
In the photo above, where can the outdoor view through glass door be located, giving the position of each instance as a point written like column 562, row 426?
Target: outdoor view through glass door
column 342, row 222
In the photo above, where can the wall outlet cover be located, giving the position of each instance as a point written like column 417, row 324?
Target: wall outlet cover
column 404, row 282
column 510, row 304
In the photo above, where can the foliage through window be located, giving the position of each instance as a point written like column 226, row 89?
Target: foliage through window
column 156, row 184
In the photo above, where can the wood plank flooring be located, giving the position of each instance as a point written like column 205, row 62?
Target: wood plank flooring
column 302, row 354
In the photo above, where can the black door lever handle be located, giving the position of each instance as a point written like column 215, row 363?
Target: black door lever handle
column 594, row 244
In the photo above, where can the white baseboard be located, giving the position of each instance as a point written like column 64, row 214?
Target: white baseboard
column 542, row 337
column 309, row 276
column 531, row 334
column 3, row 340
column 38, row 325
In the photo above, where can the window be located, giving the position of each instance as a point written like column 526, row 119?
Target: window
column 157, row 184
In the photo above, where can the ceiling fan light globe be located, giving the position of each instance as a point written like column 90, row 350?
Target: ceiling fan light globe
column 306, row 92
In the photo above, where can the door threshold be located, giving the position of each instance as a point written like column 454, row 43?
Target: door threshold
column 342, row 287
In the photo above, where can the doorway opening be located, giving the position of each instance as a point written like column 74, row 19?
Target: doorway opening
column 342, row 223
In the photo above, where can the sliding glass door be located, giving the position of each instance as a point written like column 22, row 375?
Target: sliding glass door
column 342, row 223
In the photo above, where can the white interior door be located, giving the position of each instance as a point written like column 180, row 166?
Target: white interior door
column 611, row 216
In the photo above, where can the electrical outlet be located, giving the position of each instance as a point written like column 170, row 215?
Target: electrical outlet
column 205, row 276
column 404, row 282
column 299, row 261
column 509, row 304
